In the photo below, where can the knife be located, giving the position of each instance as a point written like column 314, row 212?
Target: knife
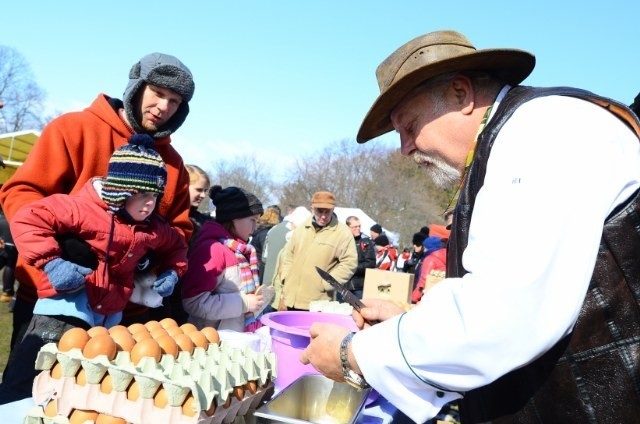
column 347, row 295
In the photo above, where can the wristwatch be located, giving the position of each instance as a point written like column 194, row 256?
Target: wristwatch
column 349, row 375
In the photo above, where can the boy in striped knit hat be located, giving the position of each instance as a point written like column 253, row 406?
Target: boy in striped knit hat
column 116, row 217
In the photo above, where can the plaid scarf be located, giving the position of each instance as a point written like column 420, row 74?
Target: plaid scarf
column 248, row 263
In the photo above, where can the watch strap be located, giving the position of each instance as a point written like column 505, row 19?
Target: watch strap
column 350, row 376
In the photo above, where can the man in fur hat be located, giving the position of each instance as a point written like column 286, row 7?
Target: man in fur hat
column 77, row 146
column 524, row 328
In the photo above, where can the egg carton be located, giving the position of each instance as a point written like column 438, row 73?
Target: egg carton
column 142, row 410
column 216, row 374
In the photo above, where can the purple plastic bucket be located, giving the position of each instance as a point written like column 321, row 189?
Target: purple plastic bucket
column 290, row 336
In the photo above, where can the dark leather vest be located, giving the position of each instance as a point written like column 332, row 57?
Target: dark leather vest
column 592, row 375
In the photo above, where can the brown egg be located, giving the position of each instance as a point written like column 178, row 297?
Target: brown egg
column 141, row 335
column 133, row 392
column 184, row 343
column 168, row 345
column 227, row 404
column 211, row 334
column 74, row 338
column 173, row 331
column 212, row 408
column 168, row 323
column 81, row 377
column 95, row 331
column 153, row 324
column 189, row 406
column 51, row 409
column 106, row 385
column 187, row 328
column 81, row 416
column 238, row 392
column 56, row 371
column 102, row 344
column 146, row 348
column 160, row 399
column 118, row 328
column 158, row 332
column 109, row 419
column 198, row 339
column 136, row 326
column 123, row 340
column 251, row 386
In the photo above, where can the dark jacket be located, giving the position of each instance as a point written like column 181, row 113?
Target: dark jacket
column 412, row 265
column 366, row 259
column 197, row 219
column 590, row 376
column 258, row 241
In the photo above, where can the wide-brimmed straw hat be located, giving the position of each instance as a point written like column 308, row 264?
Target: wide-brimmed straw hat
column 431, row 55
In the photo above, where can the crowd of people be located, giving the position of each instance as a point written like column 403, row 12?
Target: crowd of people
column 121, row 208
column 516, row 322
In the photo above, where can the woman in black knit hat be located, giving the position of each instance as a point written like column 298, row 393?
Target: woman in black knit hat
column 221, row 287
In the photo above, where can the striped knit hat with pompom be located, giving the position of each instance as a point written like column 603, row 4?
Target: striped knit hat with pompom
column 133, row 168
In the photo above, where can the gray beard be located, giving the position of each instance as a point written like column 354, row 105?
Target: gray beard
column 443, row 175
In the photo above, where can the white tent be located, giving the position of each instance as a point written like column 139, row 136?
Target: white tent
column 366, row 221
column 343, row 213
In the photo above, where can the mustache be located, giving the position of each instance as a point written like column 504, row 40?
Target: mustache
column 420, row 158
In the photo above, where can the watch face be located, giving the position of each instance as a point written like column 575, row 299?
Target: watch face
column 353, row 384
column 356, row 380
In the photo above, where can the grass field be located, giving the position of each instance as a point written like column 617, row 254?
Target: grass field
column 5, row 334
column 6, row 326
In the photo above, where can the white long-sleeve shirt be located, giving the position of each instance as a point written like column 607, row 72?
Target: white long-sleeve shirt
column 557, row 169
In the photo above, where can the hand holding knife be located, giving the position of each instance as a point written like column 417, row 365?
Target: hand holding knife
column 347, row 295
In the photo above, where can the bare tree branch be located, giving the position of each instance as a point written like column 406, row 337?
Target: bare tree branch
column 22, row 97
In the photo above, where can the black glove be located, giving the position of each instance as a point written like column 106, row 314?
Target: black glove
column 78, row 251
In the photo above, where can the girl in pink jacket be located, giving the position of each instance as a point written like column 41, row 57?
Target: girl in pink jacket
column 220, row 289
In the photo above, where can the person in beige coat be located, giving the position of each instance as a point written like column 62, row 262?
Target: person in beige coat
column 320, row 241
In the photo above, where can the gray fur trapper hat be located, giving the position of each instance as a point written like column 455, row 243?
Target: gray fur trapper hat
column 165, row 71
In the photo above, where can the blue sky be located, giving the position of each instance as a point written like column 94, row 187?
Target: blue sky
column 279, row 79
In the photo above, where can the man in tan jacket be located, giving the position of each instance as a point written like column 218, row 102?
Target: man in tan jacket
column 320, row 241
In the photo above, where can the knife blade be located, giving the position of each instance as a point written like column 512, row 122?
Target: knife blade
column 346, row 294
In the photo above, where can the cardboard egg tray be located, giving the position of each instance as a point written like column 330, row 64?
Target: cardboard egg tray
column 215, row 374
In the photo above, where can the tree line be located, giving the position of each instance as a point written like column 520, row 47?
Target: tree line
column 388, row 187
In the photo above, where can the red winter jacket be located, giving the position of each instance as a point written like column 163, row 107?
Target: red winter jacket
column 74, row 148
column 85, row 215
column 435, row 261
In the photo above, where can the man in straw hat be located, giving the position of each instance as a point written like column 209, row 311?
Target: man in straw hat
column 546, row 330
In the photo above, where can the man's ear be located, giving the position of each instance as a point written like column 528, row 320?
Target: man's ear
column 463, row 93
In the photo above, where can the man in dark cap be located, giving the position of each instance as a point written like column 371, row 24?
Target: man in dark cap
column 77, row 146
column 375, row 231
column 524, row 328
column 412, row 265
column 366, row 256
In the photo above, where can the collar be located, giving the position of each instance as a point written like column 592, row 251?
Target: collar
column 503, row 92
